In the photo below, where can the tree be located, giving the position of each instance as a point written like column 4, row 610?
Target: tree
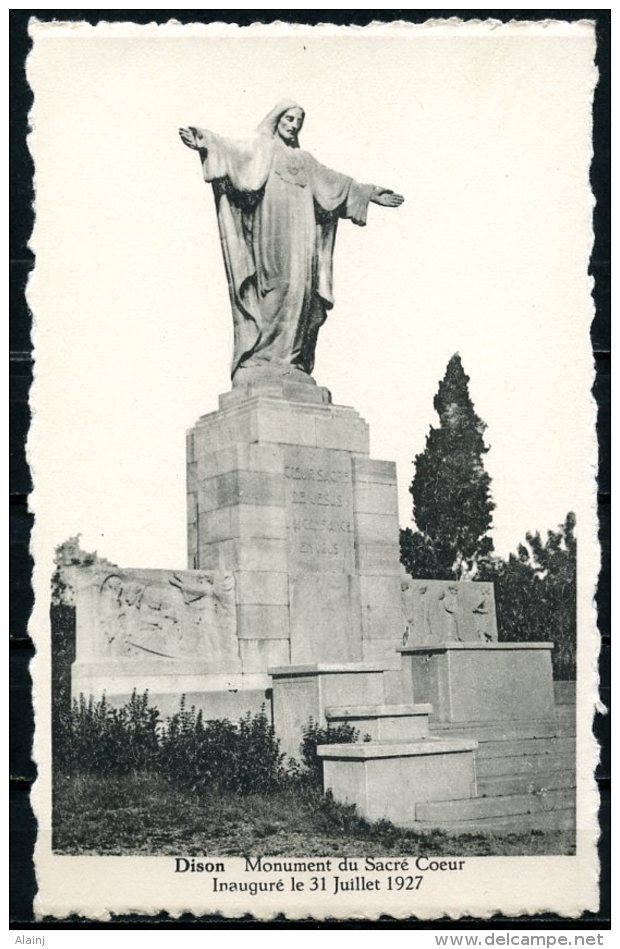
column 452, row 505
column 536, row 595
column 69, row 556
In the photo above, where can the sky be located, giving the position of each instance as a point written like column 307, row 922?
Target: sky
column 487, row 136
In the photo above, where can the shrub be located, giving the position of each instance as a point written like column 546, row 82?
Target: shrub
column 96, row 738
column 260, row 765
column 314, row 735
column 243, row 757
column 190, row 752
column 62, row 624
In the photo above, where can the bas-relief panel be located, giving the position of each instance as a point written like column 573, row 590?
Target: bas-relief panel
column 436, row 611
column 164, row 614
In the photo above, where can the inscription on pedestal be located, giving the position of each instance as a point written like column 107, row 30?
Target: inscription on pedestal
column 319, row 503
column 323, row 589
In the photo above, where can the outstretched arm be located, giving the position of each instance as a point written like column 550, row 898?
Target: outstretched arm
column 245, row 163
column 387, row 198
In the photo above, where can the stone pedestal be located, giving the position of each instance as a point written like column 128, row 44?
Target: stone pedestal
column 388, row 780
column 282, row 493
column 481, row 682
column 301, row 693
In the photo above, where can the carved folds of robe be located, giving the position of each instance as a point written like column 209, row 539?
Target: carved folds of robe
column 277, row 211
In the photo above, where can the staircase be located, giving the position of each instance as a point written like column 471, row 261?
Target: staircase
column 524, row 770
column 525, row 778
column 414, row 766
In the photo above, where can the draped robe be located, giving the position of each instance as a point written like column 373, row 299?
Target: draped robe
column 277, row 211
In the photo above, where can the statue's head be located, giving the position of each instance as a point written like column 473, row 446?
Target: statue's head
column 289, row 126
column 285, row 121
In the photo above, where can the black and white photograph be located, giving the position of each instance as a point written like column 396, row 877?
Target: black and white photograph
column 314, row 459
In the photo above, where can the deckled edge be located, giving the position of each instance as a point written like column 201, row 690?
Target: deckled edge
column 593, row 693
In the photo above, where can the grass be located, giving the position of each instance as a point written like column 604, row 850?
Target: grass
column 143, row 814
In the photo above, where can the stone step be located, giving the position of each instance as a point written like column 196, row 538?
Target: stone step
column 561, row 819
column 567, row 726
column 507, row 805
column 383, row 722
column 509, row 731
column 386, row 780
column 526, row 746
column 525, row 783
column 566, row 719
column 524, row 764
column 563, row 708
column 414, row 748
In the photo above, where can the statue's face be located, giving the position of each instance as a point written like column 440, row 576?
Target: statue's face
column 289, row 125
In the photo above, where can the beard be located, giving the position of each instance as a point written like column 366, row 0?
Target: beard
column 290, row 139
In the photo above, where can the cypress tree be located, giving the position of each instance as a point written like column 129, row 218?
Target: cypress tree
column 452, row 505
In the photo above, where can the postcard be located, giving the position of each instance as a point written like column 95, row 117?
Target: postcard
column 314, row 463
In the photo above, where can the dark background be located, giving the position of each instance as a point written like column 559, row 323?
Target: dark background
column 22, row 768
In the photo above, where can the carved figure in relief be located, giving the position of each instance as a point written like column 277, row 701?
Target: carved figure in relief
column 277, row 211
column 203, row 585
column 406, row 611
column 416, row 604
column 425, row 596
column 113, row 617
column 449, row 600
column 157, row 623
column 482, row 615
column 436, row 611
column 174, row 619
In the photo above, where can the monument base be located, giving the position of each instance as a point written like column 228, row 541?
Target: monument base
column 388, row 780
column 497, row 698
column 282, row 493
column 481, row 682
column 118, row 678
column 303, row 693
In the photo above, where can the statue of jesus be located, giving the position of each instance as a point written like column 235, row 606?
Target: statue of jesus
column 277, row 211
